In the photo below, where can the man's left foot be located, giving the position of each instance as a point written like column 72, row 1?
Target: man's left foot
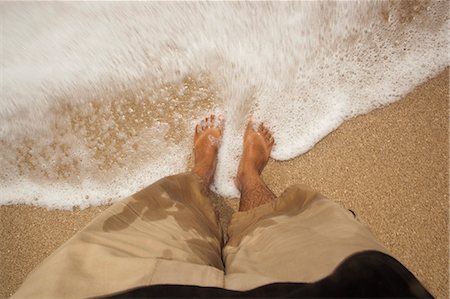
column 207, row 138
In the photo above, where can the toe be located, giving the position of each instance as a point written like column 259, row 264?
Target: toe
column 197, row 133
column 250, row 125
column 221, row 121
column 261, row 129
column 268, row 134
column 264, row 130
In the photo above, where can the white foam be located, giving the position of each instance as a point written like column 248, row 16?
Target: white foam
column 302, row 67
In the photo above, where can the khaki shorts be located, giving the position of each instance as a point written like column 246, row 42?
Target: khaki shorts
column 169, row 233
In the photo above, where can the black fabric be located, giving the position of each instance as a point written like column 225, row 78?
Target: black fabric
column 368, row 274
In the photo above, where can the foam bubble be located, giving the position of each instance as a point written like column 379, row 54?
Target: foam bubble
column 101, row 99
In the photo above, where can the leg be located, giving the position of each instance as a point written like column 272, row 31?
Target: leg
column 299, row 237
column 167, row 233
column 258, row 144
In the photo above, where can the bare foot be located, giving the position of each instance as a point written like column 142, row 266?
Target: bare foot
column 258, row 142
column 207, row 138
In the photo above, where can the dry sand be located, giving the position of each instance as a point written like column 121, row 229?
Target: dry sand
column 389, row 166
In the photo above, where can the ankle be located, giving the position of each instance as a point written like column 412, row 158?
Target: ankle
column 203, row 173
column 246, row 179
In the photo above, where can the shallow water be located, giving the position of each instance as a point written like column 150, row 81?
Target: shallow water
column 100, row 99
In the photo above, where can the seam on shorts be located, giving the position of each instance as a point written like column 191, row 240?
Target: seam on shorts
column 154, row 271
column 223, row 277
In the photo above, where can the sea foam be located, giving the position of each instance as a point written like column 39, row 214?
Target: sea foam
column 100, row 99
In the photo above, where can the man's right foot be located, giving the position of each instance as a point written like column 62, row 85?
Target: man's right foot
column 258, row 143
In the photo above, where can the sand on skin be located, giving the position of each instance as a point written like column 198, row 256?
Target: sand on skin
column 389, row 166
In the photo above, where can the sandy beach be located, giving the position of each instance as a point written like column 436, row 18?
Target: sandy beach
column 389, row 166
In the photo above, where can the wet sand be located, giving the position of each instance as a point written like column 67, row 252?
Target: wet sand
column 389, row 166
